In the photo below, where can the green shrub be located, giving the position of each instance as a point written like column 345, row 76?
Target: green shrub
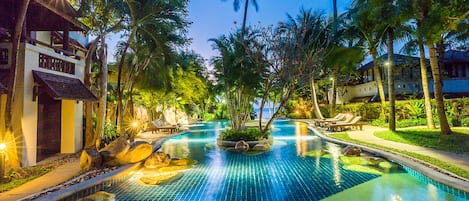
column 249, row 134
column 402, row 123
column 465, row 122
column 110, row 133
column 296, row 115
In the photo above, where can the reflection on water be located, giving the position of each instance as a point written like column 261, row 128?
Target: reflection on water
column 335, row 152
column 298, row 167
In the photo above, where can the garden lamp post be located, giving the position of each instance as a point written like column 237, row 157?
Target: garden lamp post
column 3, row 147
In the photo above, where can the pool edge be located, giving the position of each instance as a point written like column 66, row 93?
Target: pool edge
column 426, row 169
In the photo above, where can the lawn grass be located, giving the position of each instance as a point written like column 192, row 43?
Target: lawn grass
column 441, row 164
column 457, row 142
column 28, row 174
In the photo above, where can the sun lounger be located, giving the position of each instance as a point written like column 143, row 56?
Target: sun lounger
column 346, row 119
column 338, row 117
column 157, row 126
column 340, row 126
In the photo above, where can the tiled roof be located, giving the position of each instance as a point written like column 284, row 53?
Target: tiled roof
column 398, row 59
column 456, row 56
column 61, row 87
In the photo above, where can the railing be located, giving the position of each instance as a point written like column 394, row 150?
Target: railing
column 3, row 56
column 55, row 64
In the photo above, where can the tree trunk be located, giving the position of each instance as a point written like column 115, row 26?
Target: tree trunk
column 334, row 90
column 14, row 155
column 90, row 137
column 437, row 89
column 314, row 99
column 284, row 98
column 119, row 113
column 243, row 28
column 391, row 91
column 379, row 83
column 426, row 92
column 103, row 91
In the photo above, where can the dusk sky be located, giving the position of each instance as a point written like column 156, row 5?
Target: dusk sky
column 213, row 18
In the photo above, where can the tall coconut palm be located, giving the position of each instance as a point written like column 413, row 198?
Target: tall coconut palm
column 438, row 18
column 238, row 74
column 367, row 26
column 416, row 44
column 144, row 17
column 394, row 18
column 236, row 6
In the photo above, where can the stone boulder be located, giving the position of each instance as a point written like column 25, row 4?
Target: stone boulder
column 261, row 147
column 351, row 151
column 116, row 149
column 160, row 179
column 182, row 162
column 241, row 146
column 100, row 195
column 157, row 160
column 138, row 151
column 90, row 158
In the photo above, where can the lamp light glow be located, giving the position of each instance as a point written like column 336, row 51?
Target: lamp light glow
column 3, row 146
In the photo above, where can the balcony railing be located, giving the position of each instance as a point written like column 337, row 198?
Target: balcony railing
column 55, row 64
column 3, row 56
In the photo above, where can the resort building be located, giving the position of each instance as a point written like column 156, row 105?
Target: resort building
column 49, row 92
column 454, row 71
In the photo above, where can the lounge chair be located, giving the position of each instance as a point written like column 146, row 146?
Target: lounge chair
column 346, row 119
column 340, row 126
column 158, row 125
column 338, row 117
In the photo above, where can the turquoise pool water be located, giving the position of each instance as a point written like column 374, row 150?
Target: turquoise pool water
column 283, row 173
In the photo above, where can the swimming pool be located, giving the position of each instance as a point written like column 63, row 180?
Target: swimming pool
column 286, row 172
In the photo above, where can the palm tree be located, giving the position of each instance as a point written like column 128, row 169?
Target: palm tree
column 437, row 19
column 369, row 29
column 8, row 131
column 394, row 19
column 236, row 6
column 157, row 21
column 102, row 18
column 416, row 43
column 312, row 43
column 238, row 74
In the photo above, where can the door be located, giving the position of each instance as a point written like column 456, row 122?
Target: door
column 48, row 126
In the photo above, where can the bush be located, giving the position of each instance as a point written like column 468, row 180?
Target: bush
column 110, row 133
column 402, row 123
column 296, row 116
column 249, row 134
column 465, row 122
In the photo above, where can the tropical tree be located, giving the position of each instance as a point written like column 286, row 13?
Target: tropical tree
column 238, row 73
column 236, row 6
column 366, row 25
column 416, row 44
column 438, row 18
column 294, row 53
column 8, row 133
column 161, row 21
column 103, row 18
column 344, row 55
column 393, row 18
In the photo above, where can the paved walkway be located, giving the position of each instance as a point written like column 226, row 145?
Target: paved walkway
column 366, row 135
column 55, row 177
